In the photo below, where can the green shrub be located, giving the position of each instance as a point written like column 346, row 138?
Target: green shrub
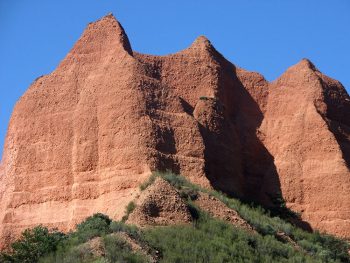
column 188, row 193
column 130, row 207
column 175, row 180
column 330, row 247
column 73, row 249
column 93, row 226
column 128, row 210
column 118, row 226
column 267, row 225
column 206, row 240
column 77, row 254
column 131, row 230
column 148, row 182
column 211, row 240
column 118, row 250
column 33, row 244
column 100, row 260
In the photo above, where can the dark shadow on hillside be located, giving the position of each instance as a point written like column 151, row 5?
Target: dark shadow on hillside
column 338, row 116
column 166, row 147
column 186, row 106
column 236, row 161
column 342, row 135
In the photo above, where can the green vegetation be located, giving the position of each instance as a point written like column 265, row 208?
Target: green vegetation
column 320, row 246
column 33, row 244
column 128, row 210
column 76, row 247
column 118, row 250
column 211, row 240
column 206, row 240
column 149, row 181
column 93, row 226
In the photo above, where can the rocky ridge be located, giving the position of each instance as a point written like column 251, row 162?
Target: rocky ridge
column 82, row 138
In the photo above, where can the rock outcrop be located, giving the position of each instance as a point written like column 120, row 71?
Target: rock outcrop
column 159, row 204
column 306, row 129
column 218, row 209
column 82, row 138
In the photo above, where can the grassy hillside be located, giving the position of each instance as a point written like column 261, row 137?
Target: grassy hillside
column 99, row 239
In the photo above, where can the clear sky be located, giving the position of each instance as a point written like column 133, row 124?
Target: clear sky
column 266, row 36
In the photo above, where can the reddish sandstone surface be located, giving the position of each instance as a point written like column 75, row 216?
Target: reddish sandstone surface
column 218, row 209
column 82, row 138
column 306, row 128
column 159, row 204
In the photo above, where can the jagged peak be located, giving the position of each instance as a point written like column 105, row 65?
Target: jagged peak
column 202, row 43
column 306, row 64
column 106, row 20
column 303, row 69
column 109, row 17
column 109, row 25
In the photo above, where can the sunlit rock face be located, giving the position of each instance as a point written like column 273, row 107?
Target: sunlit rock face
column 82, row 138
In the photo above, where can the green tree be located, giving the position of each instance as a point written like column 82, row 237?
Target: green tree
column 33, row 244
column 93, row 226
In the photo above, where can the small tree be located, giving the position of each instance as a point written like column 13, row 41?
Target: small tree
column 93, row 226
column 33, row 244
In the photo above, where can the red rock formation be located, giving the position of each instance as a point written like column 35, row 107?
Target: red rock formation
column 306, row 129
column 82, row 138
column 78, row 139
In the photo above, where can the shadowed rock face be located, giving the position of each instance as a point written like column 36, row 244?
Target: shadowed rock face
column 305, row 128
column 82, row 138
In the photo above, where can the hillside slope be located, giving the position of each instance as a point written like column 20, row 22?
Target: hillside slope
column 209, row 237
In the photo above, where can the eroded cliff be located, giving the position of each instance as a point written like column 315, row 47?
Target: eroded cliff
column 82, row 138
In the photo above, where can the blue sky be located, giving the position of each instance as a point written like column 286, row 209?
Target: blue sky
column 265, row 36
